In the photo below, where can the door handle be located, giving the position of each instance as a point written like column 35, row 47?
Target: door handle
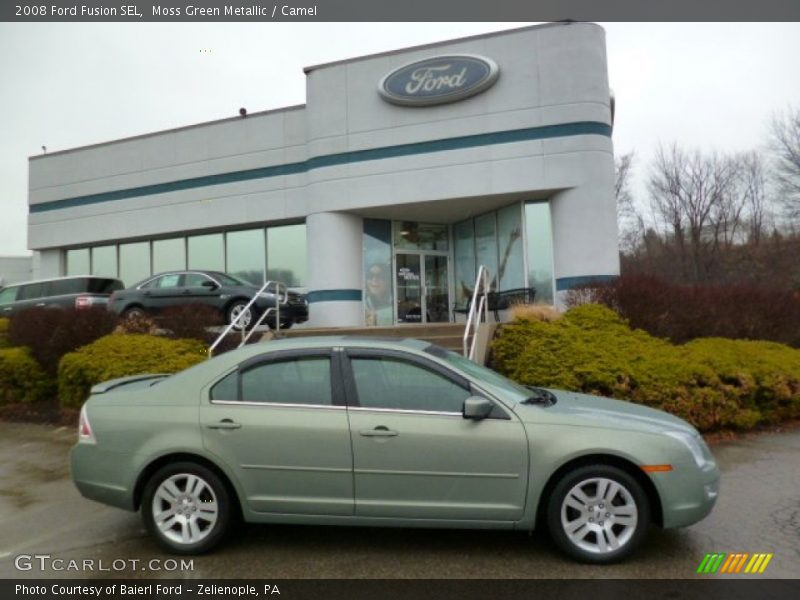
column 224, row 424
column 40, row 304
column 379, row 431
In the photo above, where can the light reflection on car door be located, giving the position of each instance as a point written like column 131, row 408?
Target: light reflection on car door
column 415, row 456
column 280, row 424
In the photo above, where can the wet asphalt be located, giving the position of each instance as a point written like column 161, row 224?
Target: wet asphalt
column 41, row 513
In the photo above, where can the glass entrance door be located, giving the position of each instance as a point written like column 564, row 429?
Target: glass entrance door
column 422, row 289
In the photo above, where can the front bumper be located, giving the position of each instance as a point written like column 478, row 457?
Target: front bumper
column 688, row 493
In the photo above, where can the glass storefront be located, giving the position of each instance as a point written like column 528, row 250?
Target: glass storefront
column 286, row 254
column 134, row 262
column 275, row 252
column 207, row 252
column 169, row 255
column 246, row 255
column 78, row 262
column 104, row 261
column 377, row 252
column 539, row 240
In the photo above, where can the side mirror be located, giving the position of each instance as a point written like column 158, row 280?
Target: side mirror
column 477, row 408
column 209, row 284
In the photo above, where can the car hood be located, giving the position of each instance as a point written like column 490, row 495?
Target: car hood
column 596, row 411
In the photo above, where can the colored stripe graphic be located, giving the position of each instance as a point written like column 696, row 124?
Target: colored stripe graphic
column 711, row 563
column 734, row 563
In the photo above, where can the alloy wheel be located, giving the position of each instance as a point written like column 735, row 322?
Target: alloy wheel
column 185, row 508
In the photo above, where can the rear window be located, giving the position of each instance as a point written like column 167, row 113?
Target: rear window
column 100, row 285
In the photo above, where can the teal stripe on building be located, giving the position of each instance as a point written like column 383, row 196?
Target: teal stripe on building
column 337, row 159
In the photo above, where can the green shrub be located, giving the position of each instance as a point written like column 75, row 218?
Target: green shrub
column 712, row 383
column 21, row 378
column 4, row 343
column 119, row 356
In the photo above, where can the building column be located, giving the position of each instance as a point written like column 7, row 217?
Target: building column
column 585, row 239
column 335, row 278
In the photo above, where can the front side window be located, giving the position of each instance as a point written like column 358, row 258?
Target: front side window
column 195, row 280
column 305, row 380
column 391, row 383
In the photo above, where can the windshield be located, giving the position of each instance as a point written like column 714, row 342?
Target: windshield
column 485, row 376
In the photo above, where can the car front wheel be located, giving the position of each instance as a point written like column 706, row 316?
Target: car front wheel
column 598, row 514
column 187, row 508
column 240, row 308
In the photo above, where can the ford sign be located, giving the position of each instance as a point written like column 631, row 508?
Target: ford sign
column 439, row 80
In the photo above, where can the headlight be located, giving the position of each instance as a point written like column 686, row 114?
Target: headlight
column 695, row 445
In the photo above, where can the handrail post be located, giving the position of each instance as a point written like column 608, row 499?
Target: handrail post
column 279, row 299
column 474, row 317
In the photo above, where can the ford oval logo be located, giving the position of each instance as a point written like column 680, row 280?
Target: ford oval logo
column 439, row 80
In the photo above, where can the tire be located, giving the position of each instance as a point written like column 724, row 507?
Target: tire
column 598, row 514
column 134, row 312
column 187, row 508
column 234, row 309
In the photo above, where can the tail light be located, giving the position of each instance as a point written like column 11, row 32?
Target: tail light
column 83, row 302
column 84, row 428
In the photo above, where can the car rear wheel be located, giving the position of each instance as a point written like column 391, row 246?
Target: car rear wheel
column 134, row 312
column 240, row 308
column 598, row 514
column 187, row 508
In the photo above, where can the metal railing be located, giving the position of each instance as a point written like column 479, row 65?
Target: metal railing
column 281, row 298
column 478, row 305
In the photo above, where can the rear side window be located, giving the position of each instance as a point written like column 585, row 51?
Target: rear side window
column 305, row 380
column 63, row 287
column 31, row 291
column 8, row 295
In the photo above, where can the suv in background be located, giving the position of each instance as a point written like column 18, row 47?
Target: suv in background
column 226, row 293
column 65, row 292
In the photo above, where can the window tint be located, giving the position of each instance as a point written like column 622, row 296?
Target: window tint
column 195, row 280
column 398, row 384
column 292, row 381
column 31, row 291
column 63, row 287
column 227, row 388
column 8, row 295
column 97, row 285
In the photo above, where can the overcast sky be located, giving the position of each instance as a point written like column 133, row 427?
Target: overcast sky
column 712, row 86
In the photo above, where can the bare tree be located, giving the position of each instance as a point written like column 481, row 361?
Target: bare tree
column 629, row 220
column 752, row 183
column 691, row 194
column 785, row 146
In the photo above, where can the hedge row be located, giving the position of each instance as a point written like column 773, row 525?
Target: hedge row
column 119, row 356
column 21, row 377
column 713, row 383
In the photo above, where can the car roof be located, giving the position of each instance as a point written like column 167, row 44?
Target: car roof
column 48, row 280
column 327, row 341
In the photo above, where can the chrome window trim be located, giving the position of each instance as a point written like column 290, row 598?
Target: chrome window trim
column 407, row 411
column 278, row 404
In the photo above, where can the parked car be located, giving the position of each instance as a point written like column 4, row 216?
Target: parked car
column 360, row 431
column 226, row 293
column 64, row 292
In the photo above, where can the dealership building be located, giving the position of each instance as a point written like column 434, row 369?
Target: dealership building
column 379, row 197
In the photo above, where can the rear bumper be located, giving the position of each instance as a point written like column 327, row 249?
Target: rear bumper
column 98, row 476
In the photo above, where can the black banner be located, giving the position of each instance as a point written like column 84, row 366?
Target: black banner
column 394, row 10
column 397, row 589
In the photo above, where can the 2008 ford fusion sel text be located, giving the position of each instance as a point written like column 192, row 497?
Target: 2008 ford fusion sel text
column 360, row 431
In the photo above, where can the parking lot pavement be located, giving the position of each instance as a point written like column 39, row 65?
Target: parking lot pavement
column 41, row 513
